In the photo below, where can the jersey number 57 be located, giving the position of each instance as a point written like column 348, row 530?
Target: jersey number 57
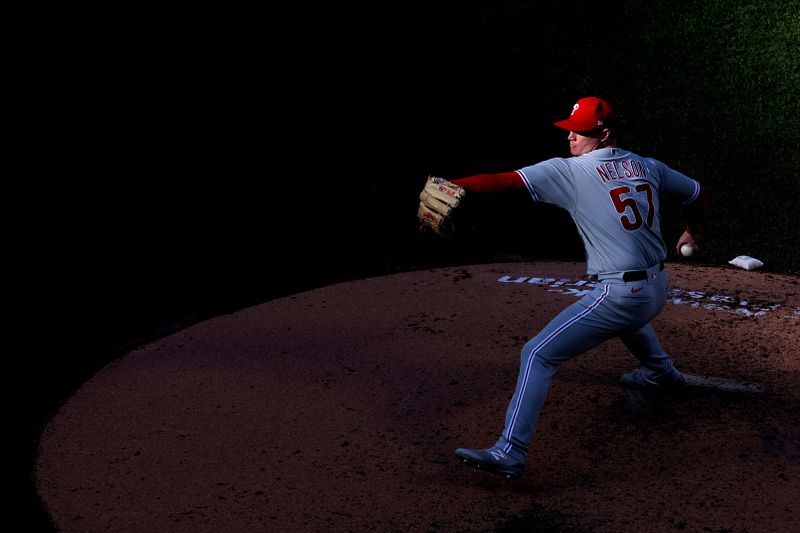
column 625, row 202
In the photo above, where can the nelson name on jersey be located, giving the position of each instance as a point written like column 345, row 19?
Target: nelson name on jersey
column 617, row 170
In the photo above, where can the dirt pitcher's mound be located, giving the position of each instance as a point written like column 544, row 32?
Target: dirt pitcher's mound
column 339, row 409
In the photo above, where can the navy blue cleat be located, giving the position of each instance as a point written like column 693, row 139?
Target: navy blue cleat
column 638, row 379
column 492, row 460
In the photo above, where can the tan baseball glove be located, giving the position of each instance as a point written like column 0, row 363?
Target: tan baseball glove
column 437, row 201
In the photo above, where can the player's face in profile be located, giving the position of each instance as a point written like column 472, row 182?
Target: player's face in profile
column 580, row 144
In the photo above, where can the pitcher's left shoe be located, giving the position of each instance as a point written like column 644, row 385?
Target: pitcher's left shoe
column 492, row 460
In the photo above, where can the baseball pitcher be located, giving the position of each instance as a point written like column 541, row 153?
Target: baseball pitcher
column 614, row 196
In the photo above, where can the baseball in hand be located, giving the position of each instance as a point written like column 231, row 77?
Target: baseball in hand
column 687, row 250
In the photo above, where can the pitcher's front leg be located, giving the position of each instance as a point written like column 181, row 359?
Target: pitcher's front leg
column 575, row 330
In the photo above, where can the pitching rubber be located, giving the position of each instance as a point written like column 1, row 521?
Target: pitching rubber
column 722, row 384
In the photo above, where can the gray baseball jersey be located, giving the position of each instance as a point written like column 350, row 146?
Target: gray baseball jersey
column 614, row 197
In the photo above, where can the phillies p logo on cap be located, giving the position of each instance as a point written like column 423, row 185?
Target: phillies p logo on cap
column 588, row 114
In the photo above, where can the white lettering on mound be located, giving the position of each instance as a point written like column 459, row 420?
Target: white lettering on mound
column 711, row 302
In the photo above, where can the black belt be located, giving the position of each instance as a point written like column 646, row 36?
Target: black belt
column 633, row 275
column 638, row 275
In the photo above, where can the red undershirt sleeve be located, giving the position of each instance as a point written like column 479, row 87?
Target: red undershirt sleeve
column 696, row 213
column 491, row 182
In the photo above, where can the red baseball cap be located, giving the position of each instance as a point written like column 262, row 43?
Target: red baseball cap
column 589, row 114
